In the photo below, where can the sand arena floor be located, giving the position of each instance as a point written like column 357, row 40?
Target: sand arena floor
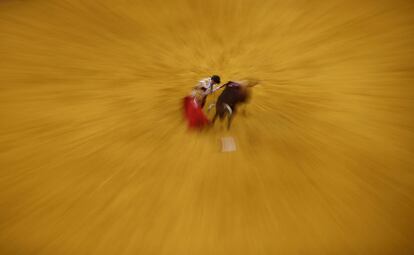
column 95, row 157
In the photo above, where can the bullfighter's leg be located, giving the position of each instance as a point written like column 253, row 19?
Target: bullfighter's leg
column 203, row 101
column 214, row 118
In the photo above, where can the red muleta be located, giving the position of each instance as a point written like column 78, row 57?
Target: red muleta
column 194, row 114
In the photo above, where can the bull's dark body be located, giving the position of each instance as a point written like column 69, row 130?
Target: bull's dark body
column 232, row 95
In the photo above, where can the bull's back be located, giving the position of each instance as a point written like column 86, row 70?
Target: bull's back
column 230, row 96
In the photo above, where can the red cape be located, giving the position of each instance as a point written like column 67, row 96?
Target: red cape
column 194, row 114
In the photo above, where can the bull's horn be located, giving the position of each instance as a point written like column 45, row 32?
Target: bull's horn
column 229, row 109
column 210, row 106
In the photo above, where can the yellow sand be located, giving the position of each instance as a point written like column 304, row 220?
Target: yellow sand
column 95, row 157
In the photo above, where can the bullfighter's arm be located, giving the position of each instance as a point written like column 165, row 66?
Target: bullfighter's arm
column 217, row 88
